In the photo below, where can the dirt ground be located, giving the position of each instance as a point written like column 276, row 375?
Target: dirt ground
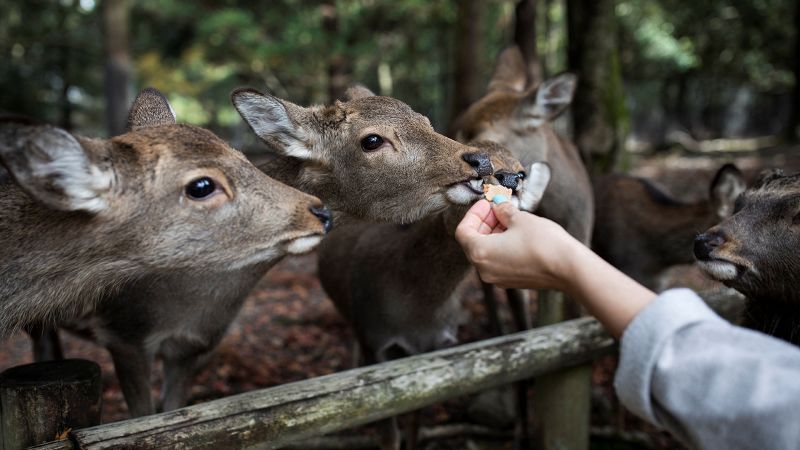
column 288, row 330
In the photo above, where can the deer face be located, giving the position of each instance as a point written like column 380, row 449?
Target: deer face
column 163, row 196
column 370, row 156
column 516, row 117
column 527, row 185
column 753, row 250
column 200, row 191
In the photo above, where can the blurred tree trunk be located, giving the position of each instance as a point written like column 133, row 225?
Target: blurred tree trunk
column 599, row 113
column 116, row 17
column 469, row 51
column 794, row 117
column 337, row 63
column 525, row 38
column 65, row 61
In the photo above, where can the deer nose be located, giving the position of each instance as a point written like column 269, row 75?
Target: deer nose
column 324, row 215
column 480, row 162
column 705, row 244
column 508, row 179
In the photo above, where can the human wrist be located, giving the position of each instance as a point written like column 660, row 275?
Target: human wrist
column 567, row 265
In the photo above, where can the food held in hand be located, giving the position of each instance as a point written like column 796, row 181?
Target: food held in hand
column 492, row 190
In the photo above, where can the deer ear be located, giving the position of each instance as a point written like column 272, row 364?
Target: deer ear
column 150, row 108
column 509, row 72
column 53, row 167
column 275, row 121
column 535, row 184
column 550, row 99
column 726, row 187
column 356, row 92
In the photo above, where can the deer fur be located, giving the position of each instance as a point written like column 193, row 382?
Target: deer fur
column 182, row 318
column 519, row 115
column 754, row 251
column 398, row 310
column 642, row 230
column 84, row 217
column 416, row 173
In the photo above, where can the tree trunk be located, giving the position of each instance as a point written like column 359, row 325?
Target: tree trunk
column 469, row 49
column 116, row 16
column 599, row 113
column 65, row 62
column 337, row 63
column 525, row 38
column 42, row 402
column 794, row 117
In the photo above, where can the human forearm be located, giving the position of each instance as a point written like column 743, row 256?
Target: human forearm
column 608, row 294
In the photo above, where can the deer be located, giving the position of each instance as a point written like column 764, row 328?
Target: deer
column 372, row 157
column 81, row 218
column 398, row 311
column 519, row 116
column 642, row 230
column 368, row 149
column 753, row 251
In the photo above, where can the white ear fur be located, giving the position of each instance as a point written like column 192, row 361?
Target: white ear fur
column 269, row 118
column 54, row 168
column 534, row 186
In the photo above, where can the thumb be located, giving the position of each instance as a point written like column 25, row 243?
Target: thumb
column 505, row 213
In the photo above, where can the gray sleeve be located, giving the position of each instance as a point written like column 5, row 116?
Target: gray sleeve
column 712, row 384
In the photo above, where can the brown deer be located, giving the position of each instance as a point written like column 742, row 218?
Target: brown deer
column 411, row 308
column 370, row 157
column 754, row 252
column 382, row 153
column 520, row 119
column 519, row 116
column 84, row 217
column 642, row 230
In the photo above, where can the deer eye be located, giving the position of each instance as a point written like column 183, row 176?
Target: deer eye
column 371, row 142
column 200, row 188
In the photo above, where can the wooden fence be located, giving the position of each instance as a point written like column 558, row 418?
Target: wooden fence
column 278, row 416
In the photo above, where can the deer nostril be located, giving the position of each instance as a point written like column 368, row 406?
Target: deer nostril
column 480, row 162
column 324, row 215
column 508, row 179
column 705, row 244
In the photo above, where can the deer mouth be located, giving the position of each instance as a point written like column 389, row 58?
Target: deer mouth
column 720, row 269
column 303, row 244
column 465, row 191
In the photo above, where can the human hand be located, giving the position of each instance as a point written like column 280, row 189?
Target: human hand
column 516, row 249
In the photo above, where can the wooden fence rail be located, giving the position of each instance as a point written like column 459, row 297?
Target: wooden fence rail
column 274, row 417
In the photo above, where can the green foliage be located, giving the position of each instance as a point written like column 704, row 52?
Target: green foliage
column 197, row 52
column 744, row 40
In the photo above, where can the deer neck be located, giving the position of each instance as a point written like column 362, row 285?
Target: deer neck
column 52, row 258
column 432, row 244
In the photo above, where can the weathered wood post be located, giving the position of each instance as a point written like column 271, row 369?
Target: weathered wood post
column 41, row 402
column 562, row 399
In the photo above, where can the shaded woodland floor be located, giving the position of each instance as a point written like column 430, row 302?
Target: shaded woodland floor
column 289, row 331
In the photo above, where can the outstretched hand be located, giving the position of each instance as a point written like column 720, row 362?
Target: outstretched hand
column 515, row 249
column 512, row 248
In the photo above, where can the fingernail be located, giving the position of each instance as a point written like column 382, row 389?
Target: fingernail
column 498, row 199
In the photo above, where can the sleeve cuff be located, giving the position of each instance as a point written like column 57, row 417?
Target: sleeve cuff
column 645, row 338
